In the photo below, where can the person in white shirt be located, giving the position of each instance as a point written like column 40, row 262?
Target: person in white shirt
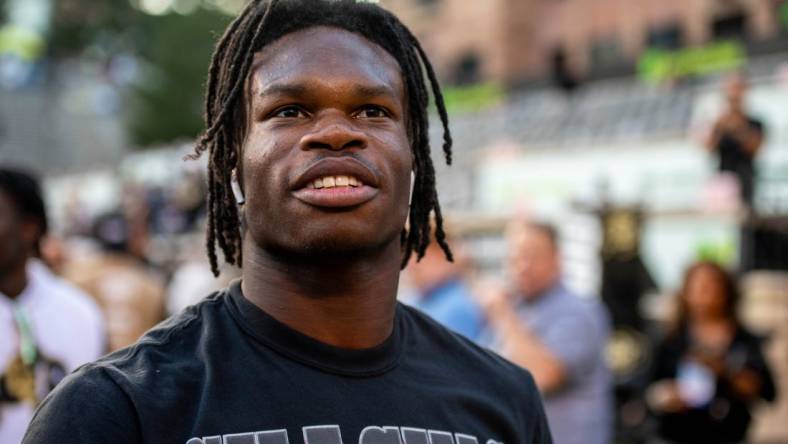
column 48, row 328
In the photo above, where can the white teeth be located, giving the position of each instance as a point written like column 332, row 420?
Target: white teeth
column 335, row 181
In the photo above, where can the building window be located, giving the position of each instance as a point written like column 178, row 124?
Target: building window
column 666, row 37
column 467, row 71
column 606, row 52
column 730, row 27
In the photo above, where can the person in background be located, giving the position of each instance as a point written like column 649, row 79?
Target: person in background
column 542, row 325
column 193, row 278
column 443, row 294
column 48, row 328
column 736, row 138
column 709, row 369
column 130, row 294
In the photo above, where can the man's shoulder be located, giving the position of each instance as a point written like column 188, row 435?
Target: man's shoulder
column 164, row 367
column 466, row 354
column 87, row 406
column 169, row 350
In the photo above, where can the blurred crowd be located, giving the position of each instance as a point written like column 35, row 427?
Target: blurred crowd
column 703, row 374
column 104, row 279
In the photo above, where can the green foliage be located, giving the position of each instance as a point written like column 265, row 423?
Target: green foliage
column 166, row 103
column 83, row 24
column 720, row 252
column 472, row 98
column 658, row 65
column 783, row 14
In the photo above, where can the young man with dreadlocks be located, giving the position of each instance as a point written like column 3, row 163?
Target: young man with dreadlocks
column 318, row 143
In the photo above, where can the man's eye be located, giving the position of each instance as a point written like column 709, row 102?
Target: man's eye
column 372, row 112
column 289, row 112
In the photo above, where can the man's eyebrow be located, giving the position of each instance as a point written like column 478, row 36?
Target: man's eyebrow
column 373, row 91
column 299, row 90
column 283, row 89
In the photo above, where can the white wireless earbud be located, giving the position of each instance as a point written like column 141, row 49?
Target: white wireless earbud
column 236, row 187
column 412, row 181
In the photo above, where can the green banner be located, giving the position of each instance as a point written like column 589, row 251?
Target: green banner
column 657, row 65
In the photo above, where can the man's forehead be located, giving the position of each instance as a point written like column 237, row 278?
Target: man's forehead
column 325, row 53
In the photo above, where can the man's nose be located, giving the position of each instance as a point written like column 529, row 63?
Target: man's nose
column 334, row 133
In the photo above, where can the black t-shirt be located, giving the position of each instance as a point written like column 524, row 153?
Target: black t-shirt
column 225, row 372
column 733, row 156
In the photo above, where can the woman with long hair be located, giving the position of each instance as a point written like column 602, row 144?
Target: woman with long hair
column 709, row 369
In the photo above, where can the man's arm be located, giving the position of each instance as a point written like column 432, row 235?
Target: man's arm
column 523, row 348
column 87, row 407
column 752, row 138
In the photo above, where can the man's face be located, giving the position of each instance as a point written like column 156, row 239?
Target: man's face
column 534, row 262
column 326, row 163
column 15, row 236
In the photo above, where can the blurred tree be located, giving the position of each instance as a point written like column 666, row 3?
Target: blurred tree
column 169, row 53
column 81, row 24
column 166, row 100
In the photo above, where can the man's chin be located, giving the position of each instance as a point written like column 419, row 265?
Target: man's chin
column 327, row 247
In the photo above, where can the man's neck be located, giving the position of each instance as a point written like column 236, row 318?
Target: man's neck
column 13, row 280
column 347, row 304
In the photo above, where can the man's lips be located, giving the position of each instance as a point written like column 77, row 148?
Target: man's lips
column 337, row 197
column 336, row 166
column 336, row 182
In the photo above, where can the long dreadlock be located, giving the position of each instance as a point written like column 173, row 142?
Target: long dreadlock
column 260, row 23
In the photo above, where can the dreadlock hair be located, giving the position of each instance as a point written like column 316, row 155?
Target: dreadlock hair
column 260, row 23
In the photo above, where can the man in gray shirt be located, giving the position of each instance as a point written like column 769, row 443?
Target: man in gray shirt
column 540, row 324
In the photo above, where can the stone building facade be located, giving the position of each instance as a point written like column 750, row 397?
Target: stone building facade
column 511, row 41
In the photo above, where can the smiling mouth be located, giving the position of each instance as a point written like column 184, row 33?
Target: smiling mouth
column 327, row 182
column 340, row 191
column 336, row 183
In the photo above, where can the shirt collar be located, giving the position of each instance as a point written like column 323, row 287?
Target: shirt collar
column 299, row 347
column 36, row 272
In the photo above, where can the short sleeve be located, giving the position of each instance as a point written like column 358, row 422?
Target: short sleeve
column 577, row 340
column 87, row 407
column 537, row 427
column 542, row 434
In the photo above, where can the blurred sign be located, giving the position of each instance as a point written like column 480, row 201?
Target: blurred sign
column 658, row 65
column 666, row 176
column 23, row 40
